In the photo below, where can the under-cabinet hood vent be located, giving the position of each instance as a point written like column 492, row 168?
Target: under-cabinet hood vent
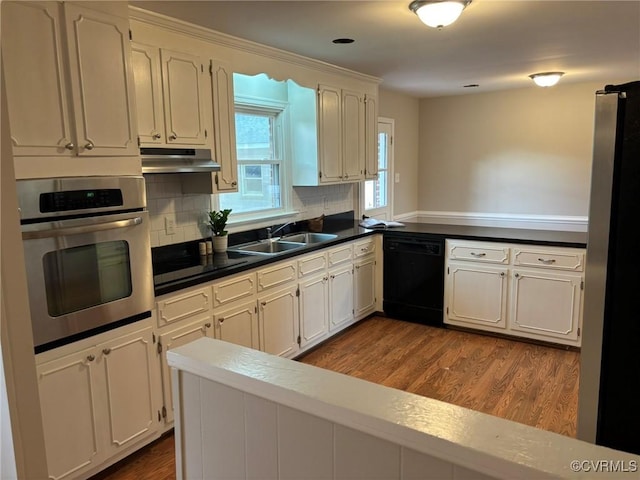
column 177, row 160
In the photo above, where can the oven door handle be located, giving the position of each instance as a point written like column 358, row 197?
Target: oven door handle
column 94, row 227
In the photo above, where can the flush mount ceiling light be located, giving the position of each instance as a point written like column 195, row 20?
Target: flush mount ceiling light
column 438, row 13
column 546, row 79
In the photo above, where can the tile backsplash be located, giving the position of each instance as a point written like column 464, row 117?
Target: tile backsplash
column 187, row 213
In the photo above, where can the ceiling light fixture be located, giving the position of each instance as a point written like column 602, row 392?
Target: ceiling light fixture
column 546, row 79
column 438, row 13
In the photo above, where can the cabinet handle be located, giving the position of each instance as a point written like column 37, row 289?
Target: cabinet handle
column 233, row 184
column 207, row 325
column 547, row 261
column 357, row 267
column 502, row 274
column 89, row 146
column 91, row 358
column 517, row 275
column 70, row 146
column 156, row 136
column 264, row 304
column 221, row 320
column 106, row 351
column 332, row 277
column 474, row 254
column 324, row 279
column 173, row 137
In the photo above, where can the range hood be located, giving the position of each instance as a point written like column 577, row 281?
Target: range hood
column 177, row 160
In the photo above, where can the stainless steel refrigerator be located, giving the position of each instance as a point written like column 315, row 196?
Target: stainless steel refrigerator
column 608, row 410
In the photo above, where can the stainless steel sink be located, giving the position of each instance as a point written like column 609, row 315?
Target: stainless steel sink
column 266, row 248
column 309, row 237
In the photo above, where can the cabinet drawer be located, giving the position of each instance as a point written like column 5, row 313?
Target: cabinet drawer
column 278, row 275
column 556, row 259
column 340, row 255
column 234, row 289
column 365, row 247
column 184, row 305
column 478, row 252
column 312, row 264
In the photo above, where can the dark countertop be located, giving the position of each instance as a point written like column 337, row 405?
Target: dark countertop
column 206, row 269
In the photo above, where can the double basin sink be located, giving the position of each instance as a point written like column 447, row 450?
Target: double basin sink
column 282, row 244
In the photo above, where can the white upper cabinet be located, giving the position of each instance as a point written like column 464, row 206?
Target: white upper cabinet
column 371, row 137
column 148, row 82
column 330, row 134
column 353, row 136
column 170, row 87
column 182, row 76
column 69, row 89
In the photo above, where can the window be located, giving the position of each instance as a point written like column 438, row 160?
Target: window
column 376, row 195
column 259, row 142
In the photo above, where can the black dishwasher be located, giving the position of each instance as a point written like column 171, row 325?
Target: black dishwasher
column 414, row 277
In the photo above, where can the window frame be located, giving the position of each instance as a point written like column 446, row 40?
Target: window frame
column 282, row 145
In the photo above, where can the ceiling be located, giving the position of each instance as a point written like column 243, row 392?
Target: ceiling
column 495, row 43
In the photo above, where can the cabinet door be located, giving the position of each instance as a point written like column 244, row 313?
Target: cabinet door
column 314, row 309
column 132, row 391
column 69, row 413
column 340, row 297
column 476, row 295
column 353, row 145
column 224, row 126
column 371, row 137
column 239, row 325
column 148, row 86
column 279, row 322
column 182, row 76
column 330, row 134
column 546, row 305
column 102, row 84
column 365, row 287
column 37, row 95
column 175, row 338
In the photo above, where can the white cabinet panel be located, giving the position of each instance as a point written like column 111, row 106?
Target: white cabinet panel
column 102, row 87
column 353, row 134
column 148, row 84
column 330, row 133
column 201, row 327
column 177, row 307
column 365, row 286
column 236, row 288
column 34, row 69
column 314, row 309
column 546, row 304
column 182, row 75
column 279, row 324
column 71, row 423
column 371, row 137
column 340, row 296
column 131, row 393
column 477, row 295
column 239, row 325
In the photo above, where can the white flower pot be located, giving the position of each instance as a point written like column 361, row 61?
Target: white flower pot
column 220, row 243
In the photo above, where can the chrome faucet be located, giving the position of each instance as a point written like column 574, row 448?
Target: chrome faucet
column 271, row 232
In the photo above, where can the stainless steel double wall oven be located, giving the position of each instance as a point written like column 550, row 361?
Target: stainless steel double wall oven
column 87, row 254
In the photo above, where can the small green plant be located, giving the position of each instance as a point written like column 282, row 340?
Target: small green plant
column 218, row 221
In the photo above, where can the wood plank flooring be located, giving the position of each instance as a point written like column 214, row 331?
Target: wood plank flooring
column 531, row 384
column 527, row 383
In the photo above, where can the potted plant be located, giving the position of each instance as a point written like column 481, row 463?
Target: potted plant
column 217, row 224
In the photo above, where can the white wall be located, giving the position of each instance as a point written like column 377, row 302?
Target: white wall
column 404, row 109
column 525, row 151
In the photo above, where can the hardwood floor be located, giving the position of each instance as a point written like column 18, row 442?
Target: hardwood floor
column 527, row 383
column 531, row 384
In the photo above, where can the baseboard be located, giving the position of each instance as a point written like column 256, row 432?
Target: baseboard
column 504, row 220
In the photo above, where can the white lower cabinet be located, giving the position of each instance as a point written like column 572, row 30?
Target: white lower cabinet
column 521, row 290
column 201, row 327
column 546, row 305
column 239, row 325
column 99, row 403
column 279, row 321
column 340, row 296
column 477, row 295
column 314, row 309
column 364, row 276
